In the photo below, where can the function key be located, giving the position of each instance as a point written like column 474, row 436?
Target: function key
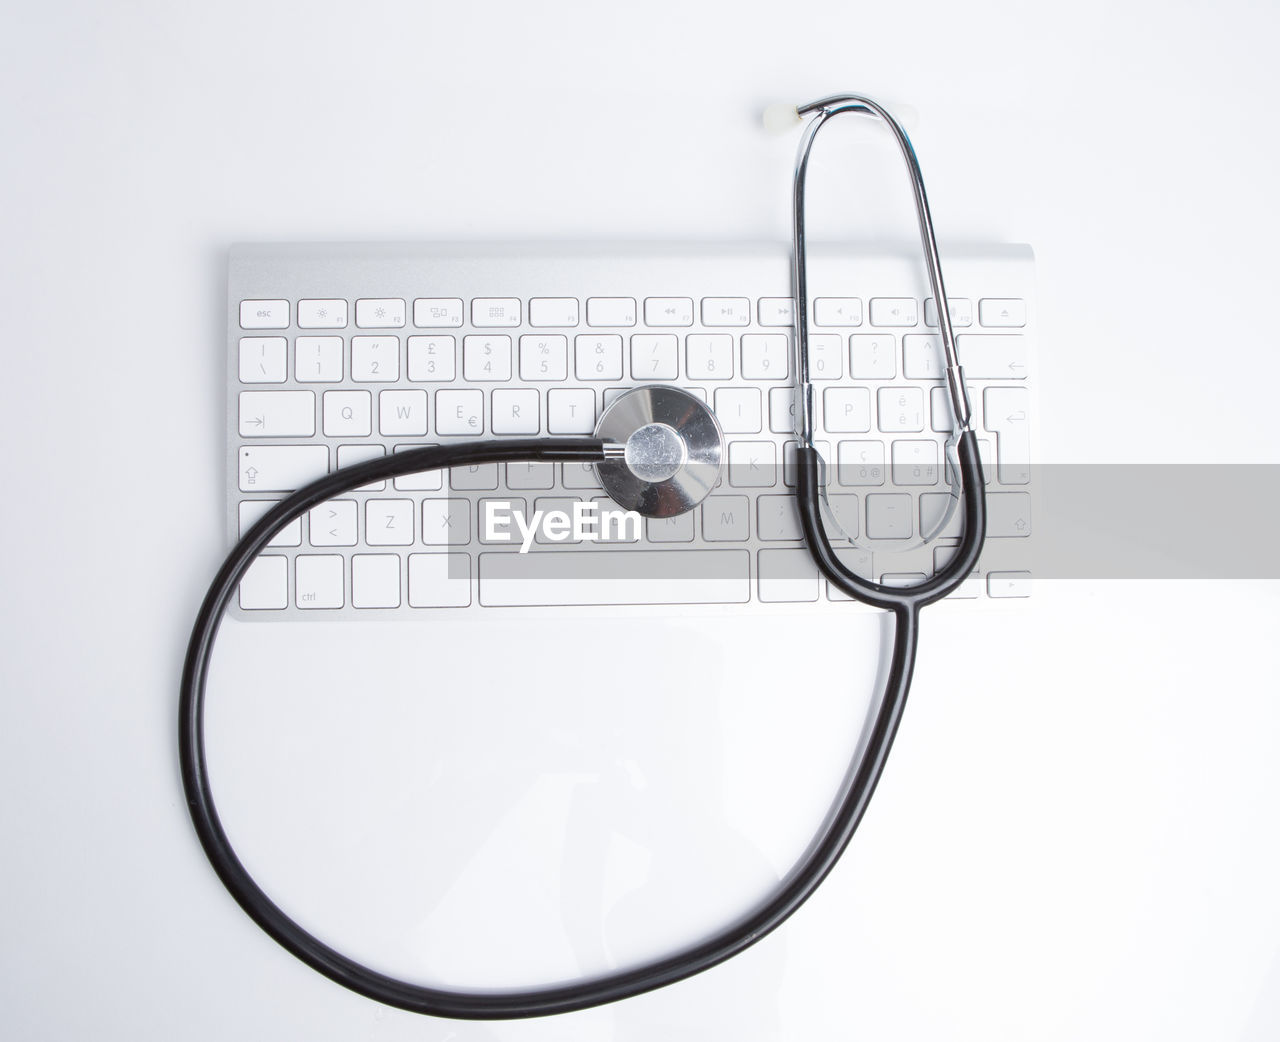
column 437, row 312
column 959, row 308
column 837, row 311
column 495, row 312
column 726, row 311
column 322, row 314
column 380, row 313
column 1002, row 312
column 611, row 311
column 553, row 311
column 894, row 311
column 668, row 311
column 777, row 311
column 264, row 314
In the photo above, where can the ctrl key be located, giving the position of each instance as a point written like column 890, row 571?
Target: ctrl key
column 265, row 586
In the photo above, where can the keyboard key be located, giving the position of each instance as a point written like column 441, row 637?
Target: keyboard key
column 402, row 413
column 557, row 529
column 789, row 462
column 615, row 525
column 253, row 509
column 432, row 358
column 571, row 411
column 959, row 308
column 580, row 476
column 889, row 515
column 375, row 359
column 788, row 575
column 738, row 410
column 375, row 580
column 553, row 311
column 860, row 463
column 837, row 311
column 826, row 356
column 332, row 523
column 264, row 314
column 515, row 412
column 486, row 358
column 915, row 462
column 440, row 580
column 922, row 358
column 474, row 477
column 846, row 410
column 380, row 313
column 531, row 475
column 993, row 357
column 265, row 585
column 460, row 412
column 678, row 529
column 844, row 512
column 318, row 581
column 900, row 409
column 437, row 312
column 654, row 356
column 446, row 522
column 776, row 311
column 423, row 481
column 777, row 518
column 350, row 455
column 902, row 579
column 611, row 311
column 753, row 464
column 1008, row 515
column 489, row 312
column 668, row 311
column 726, row 311
column 873, row 356
column 782, row 410
column 1002, row 311
column 317, row 359
column 1005, row 414
column 277, row 414
column 709, row 356
column 894, row 311
column 262, row 360
column 281, row 468
column 726, row 519
column 613, row 576
column 1008, row 584
column 322, row 314
column 766, row 356
column 388, row 522
column 933, row 508
column 597, row 356
column 348, row 414
column 544, row 357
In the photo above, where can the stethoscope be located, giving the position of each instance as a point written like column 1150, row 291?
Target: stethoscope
column 657, row 450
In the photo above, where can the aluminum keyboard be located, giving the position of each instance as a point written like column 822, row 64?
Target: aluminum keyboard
column 340, row 353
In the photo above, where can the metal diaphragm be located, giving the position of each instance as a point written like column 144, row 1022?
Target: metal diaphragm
column 674, row 451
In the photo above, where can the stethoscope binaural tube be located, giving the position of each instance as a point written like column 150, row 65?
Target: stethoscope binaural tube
column 963, row 441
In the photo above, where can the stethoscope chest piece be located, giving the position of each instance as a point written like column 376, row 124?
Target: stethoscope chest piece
column 673, row 451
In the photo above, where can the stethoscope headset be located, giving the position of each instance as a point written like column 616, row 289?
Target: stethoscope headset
column 656, row 450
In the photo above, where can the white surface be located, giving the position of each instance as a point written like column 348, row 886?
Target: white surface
column 1079, row 844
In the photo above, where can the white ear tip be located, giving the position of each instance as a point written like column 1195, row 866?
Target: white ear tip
column 780, row 118
column 908, row 116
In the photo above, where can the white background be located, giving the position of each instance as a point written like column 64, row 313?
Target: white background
column 1076, row 835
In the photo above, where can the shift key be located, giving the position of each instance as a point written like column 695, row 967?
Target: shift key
column 281, row 468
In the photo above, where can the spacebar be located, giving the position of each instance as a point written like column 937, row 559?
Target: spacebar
column 563, row 577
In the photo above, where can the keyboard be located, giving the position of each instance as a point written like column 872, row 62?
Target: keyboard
column 341, row 353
